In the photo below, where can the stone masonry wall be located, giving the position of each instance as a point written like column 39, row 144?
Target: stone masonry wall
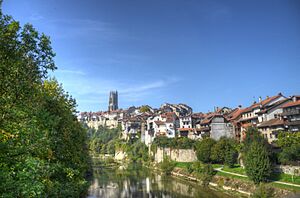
column 291, row 170
column 178, row 155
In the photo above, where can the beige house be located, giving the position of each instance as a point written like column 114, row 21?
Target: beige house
column 270, row 128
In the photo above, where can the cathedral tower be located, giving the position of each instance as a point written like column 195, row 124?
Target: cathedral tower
column 113, row 101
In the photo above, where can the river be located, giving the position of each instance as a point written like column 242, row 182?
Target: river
column 135, row 181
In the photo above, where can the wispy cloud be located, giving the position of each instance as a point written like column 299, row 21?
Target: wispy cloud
column 148, row 86
column 90, row 91
column 80, row 28
column 66, row 71
column 36, row 17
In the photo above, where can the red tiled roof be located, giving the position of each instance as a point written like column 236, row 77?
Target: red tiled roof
column 276, row 104
column 291, row 104
column 159, row 122
column 198, row 115
column 207, row 118
column 204, row 128
column 168, row 114
column 235, row 114
column 268, row 100
column 247, row 125
column 250, row 118
column 273, row 122
column 169, row 120
column 263, row 103
column 185, row 129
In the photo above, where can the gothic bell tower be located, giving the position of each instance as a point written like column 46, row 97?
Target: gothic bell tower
column 113, row 101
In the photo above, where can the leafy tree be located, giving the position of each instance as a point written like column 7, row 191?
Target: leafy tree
column 253, row 135
column 138, row 152
column 290, row 155
column 207, row 174
column 224, row 151
column 103, row 140
column 67, row 142
column 204, row 150
column 43, row 148
column 144, row 109
column 204, row 172
column 167, row 165
column 263, row 191
column 287, row 139
column 289, row 143
column 175, row 143
column 190, row 168
column 257, row 163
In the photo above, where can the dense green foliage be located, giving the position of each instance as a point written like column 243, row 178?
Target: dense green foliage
column 253, row 135
column 225, row 152
column 263, row 191
column 167, row 165
column 290, row 145
column 103, row 140
column 175, row 143
column 204, row 150
column 138, row 152
column 287, row 139
column 290, row 155
column 43, row 148
column 257, row 163
column 144, row 109
column 107, row 141
column 257, row 155
column 205, row 172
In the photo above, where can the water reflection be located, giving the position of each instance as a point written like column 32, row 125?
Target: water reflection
column 135, row 181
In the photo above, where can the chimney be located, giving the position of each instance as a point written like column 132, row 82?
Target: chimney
column 240, row 106
column 259, row 99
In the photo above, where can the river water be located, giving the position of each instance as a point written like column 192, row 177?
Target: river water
column 135, row 181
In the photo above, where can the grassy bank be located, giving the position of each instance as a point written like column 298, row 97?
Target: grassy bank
column 281, row 177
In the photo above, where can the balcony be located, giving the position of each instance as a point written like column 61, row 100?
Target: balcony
column 291, row 112
column 293, row 123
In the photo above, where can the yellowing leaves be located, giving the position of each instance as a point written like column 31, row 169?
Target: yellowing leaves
column 6, row 135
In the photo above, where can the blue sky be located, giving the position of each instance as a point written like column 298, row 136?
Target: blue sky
column 202, row 53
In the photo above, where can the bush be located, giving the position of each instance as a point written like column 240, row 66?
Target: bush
column 263, row 191
column 289, row 143
column 224, row 151
column 290, row 155
column 230, row 158
column 204, row 149
column 190, row 168
column 175, row 143
column 207, row 174
column 257, row 163
column 137, row 151
column 167, row 165
column 204, row 172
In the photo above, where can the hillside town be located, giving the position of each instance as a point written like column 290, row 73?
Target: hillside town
column 270, row 115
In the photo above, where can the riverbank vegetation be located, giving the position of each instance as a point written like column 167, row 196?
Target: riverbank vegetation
column 102, row 140
column 43, row 148
column 215, row 158
column 105, row 141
